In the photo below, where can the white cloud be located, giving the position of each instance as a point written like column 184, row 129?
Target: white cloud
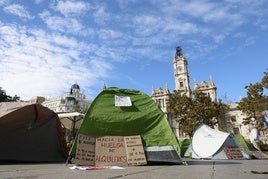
column 124, row 3
column 18, row 10
column 250, row 40
column 222, row 16
column 99, row 67
column 197, row 8
column 146, row 24
column 34, row 62
column 101, row 15
column 83, row 41
column 38, row 1
column 62, row 24
column 3, row 2
column 219, row 38
column 68, row 8
column 110, row 34
column 182, row 28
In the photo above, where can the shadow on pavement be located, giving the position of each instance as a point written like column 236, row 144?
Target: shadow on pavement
column 13, row 162
column 211, row 162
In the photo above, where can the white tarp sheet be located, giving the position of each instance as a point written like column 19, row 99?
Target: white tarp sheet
column 71, row 120
column 207, row 141
column 71, row 114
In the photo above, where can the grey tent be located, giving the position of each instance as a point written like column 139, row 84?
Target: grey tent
column 30, row 133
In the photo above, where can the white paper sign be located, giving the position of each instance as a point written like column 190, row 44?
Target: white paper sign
column 122, row 101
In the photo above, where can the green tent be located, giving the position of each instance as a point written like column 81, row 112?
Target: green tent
column 125, row 112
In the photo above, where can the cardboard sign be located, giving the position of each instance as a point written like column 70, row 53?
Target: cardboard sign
column 85, row 150
column 233, row 153
column 135, row 151
column 109, row 150
column 259, row 154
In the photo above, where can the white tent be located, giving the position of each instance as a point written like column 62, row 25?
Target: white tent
column 209, row 143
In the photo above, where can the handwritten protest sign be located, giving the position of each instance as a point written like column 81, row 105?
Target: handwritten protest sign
column 233, row 153
column 109, row 150
column 85, row 150
column 135, row 151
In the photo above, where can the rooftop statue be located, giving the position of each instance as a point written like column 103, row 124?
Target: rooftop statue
column 178, row 53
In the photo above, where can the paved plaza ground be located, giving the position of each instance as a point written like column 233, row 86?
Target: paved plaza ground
column 199, row 169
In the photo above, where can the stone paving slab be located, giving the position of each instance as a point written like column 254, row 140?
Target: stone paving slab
column 200, row 169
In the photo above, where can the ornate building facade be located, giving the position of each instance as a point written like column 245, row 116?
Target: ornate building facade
column 72, row 100
column 182, row 84
column 208, row 88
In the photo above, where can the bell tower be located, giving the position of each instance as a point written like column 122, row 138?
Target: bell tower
column 180, row 67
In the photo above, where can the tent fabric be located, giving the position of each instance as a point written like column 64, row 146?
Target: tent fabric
column 142, row 118
column 71, row 120
column 248, row 147
column 31, row 133
column 71, row 114
column 184, row 144
column 209, row 143
column 7, row 107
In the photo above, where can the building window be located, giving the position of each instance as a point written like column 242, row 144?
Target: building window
column 233, row 118
column 236, row 130
column 160, row 103
column 181, row 84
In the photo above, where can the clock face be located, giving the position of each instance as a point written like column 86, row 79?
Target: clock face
column 179, row 68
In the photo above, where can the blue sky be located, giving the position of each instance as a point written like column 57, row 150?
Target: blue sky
column 48, row 45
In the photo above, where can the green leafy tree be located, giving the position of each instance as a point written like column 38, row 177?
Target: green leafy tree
column 255, row 101
column 6, row 98
column 190, row 112
column 3, row 96
column 15, row 98
column 264, row 80
column 224, row 119
column 180, row 108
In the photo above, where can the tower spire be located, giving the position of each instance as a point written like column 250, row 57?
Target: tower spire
column 104, row 87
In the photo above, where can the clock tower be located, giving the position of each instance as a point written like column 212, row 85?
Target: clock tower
column 180, row 67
